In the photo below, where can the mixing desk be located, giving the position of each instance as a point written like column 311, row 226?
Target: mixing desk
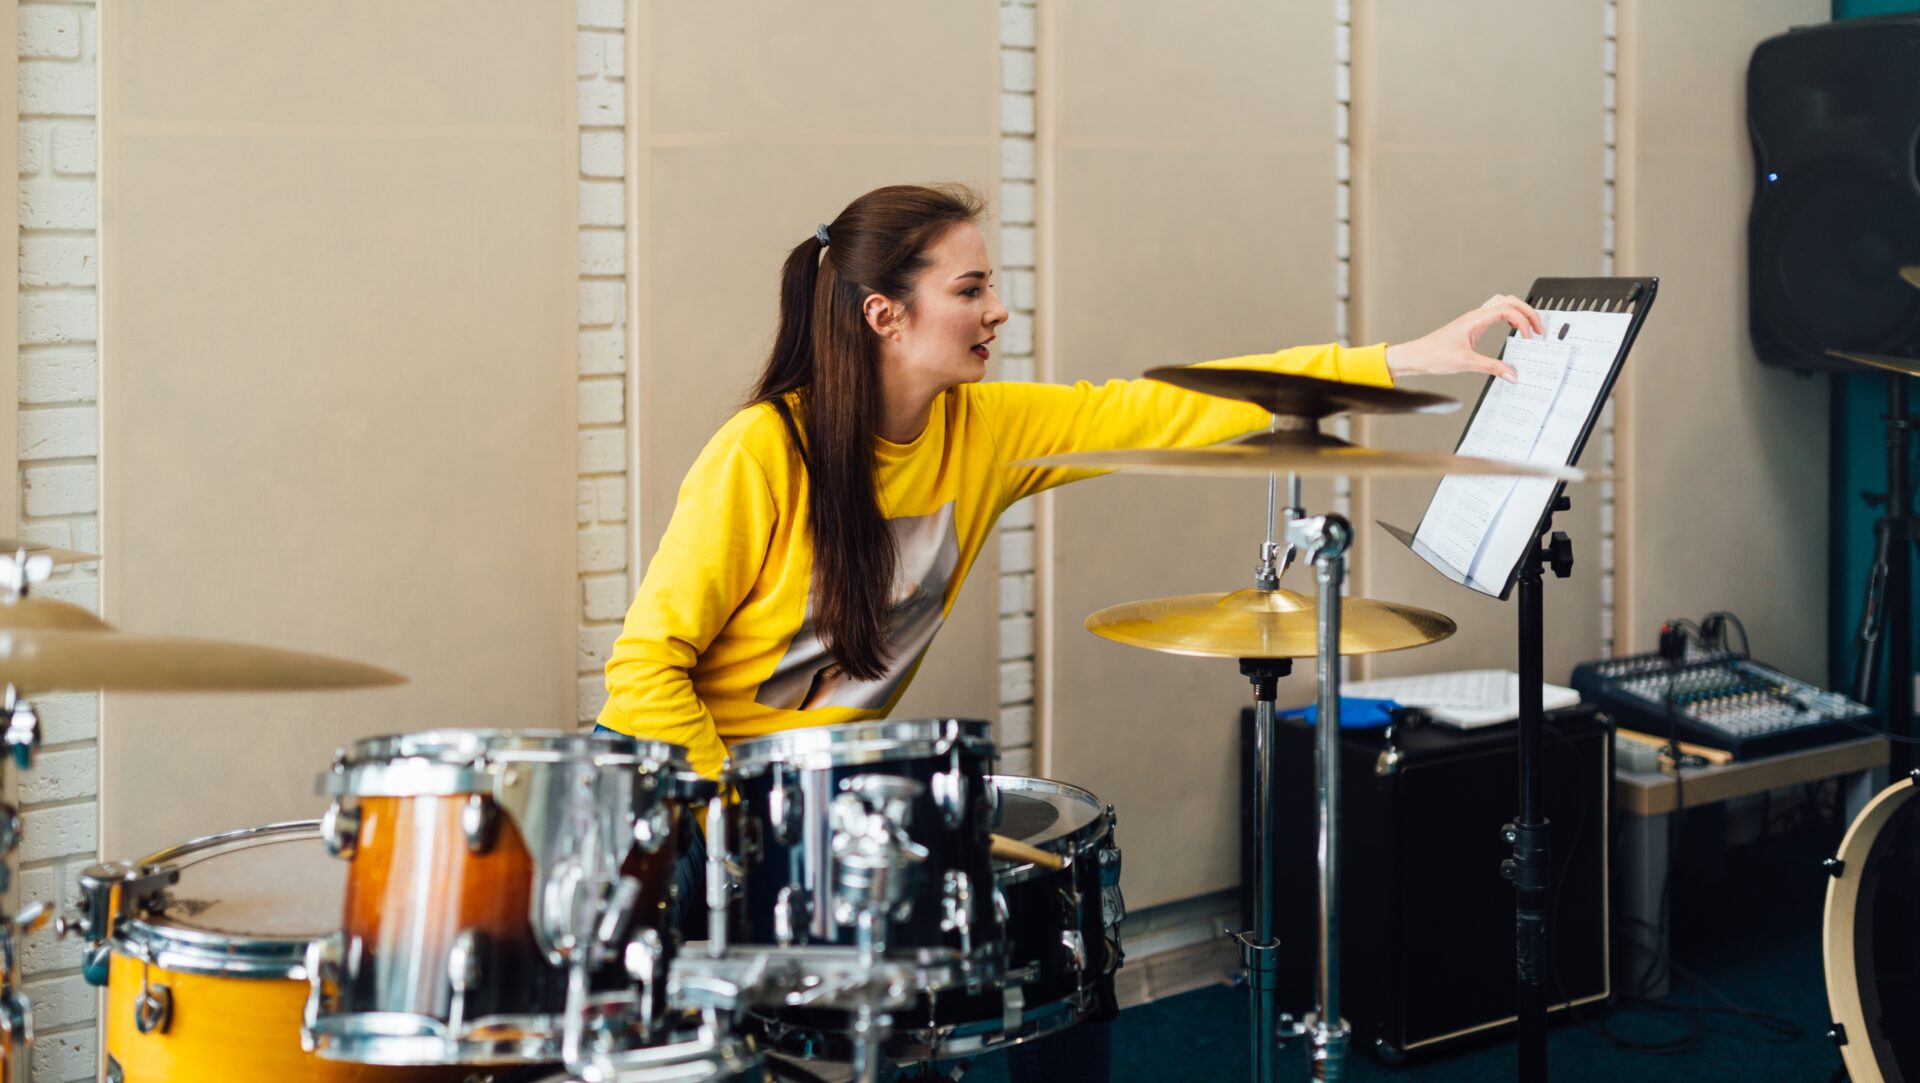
column 1721, row 700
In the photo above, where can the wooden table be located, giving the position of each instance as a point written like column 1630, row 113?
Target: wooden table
column 1646, row 799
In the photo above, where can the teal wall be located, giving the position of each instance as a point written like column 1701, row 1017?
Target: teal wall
column 1859, row 462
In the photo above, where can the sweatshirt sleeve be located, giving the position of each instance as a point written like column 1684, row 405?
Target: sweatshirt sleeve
column 708, row 560
column 1030, row 420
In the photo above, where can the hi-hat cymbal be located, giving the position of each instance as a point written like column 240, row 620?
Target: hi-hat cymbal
column 10, row 546
column 1306, row 453
column 1302, row 396
column 1264, row 624
column 51, row 646
column 1906, row 366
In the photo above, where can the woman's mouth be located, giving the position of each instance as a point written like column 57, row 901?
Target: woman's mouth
column 980, row 350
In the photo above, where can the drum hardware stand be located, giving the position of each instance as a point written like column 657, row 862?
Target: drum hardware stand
column 1325, row 539
column 1888, row 605
column 20, row 737
column 1531, row 866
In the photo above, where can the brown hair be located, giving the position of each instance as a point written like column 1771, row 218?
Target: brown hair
column 825, row 351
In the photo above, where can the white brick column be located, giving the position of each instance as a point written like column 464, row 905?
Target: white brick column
column 59, row 462
column 603, row 334
column 1017, row 129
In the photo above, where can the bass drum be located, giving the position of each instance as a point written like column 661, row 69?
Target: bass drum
column 1872, row 939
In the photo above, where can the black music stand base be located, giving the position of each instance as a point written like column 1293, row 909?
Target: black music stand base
column 1531, row 866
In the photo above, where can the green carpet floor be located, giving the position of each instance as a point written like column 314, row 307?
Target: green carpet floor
column 1750, row 925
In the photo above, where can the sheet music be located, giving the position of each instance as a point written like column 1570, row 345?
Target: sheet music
column 1477, row 528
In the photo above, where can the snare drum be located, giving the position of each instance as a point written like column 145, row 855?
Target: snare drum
column 478, row 866
column 787, row 783
column 207, row 958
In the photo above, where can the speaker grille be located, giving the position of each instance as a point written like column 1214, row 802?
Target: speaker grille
column 1828, row 247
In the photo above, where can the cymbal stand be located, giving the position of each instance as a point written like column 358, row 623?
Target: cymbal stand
column 1531, row 866
column 1325, row 539
column 20, row 736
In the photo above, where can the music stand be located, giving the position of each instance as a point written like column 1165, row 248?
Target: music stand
column 1530, row 868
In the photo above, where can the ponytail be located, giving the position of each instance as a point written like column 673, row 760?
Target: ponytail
column 825, row 355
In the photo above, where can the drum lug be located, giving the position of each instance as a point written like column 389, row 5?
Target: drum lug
column 463, row 976
column 651, row 828
column 114, row 1072
column 480, row 823
column 560, row 901
column 340, row 828
column 792, row 915
column 1001, row 911
column 786, row 806
column 1076, row 947
column 641, row 959
column 323, row 978
column 949, row 790
column 1013, row 1008
column 153, row 1008
column 957, row 908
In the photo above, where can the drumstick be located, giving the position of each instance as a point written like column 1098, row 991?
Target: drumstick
column 1014, row 850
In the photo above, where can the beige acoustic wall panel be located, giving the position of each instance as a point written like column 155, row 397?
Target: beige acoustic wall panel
column 1471, row 177
column 338, row 308
column 754, row 122
column 1191, row 204
column 1724, row 461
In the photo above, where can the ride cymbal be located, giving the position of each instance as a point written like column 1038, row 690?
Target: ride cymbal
column 51, row 646
column 1264, row 624
column 1906, row 366
column 1302, row 396
column 1304, row 452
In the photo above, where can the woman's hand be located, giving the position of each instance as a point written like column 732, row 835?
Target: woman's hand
column 1450, row 349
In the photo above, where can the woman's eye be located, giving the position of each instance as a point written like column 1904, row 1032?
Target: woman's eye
column 972, row 291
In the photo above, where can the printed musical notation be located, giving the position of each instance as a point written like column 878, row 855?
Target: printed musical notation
column 1479, row 527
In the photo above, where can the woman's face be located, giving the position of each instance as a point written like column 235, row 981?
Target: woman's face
column 941, row 341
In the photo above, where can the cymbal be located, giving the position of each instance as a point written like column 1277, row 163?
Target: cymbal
column 51, row 646
column 10, row 546
column 1302, row 396
column 1264, row 624
column 1908, row 366
column 1306, row 453
column 1911, row 272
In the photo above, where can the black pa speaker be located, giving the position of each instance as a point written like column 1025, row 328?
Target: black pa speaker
column 1834, row 113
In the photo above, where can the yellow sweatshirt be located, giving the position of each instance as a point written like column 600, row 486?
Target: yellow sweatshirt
column 720, row 644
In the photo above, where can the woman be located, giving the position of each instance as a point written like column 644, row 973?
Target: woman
column 821, row 537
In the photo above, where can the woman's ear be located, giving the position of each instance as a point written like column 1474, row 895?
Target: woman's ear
column 883, row 316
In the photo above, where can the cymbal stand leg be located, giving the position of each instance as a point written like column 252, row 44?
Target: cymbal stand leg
column 1259, row 949
column 1326, row 539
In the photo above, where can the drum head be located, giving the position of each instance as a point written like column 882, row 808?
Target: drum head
column 284, row 886
column 1047, row 814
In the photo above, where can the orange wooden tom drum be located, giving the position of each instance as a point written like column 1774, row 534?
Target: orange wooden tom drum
column 481, row 867
column 207, row 966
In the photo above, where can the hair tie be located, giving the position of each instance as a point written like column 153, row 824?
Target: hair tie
column 820, row 234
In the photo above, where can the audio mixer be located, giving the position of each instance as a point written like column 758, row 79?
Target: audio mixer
column 1721, row 700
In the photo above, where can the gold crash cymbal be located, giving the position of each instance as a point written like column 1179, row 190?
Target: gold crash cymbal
column 1911, row 272
column 1302, row 396
column 1907, row 366
column 51, row 646
column 1264, row 624
column 1303, row 452
column 11, row 546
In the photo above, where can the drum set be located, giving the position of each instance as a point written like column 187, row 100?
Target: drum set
column 500, row 904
